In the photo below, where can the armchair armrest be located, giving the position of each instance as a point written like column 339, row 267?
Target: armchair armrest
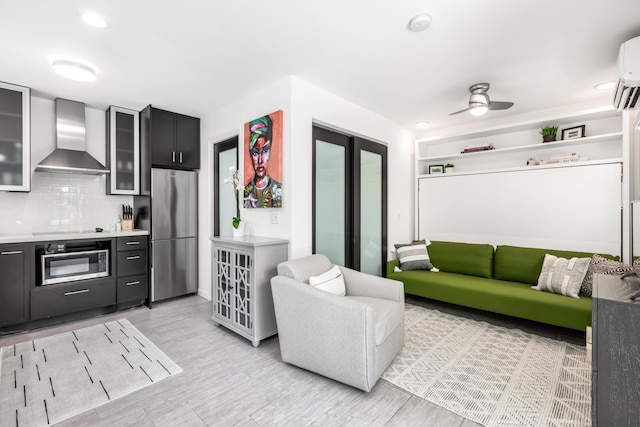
column 368, row 285
column 325, row 333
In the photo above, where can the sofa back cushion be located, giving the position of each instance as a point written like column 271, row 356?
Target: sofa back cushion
column 472, row 259
column 518, row 264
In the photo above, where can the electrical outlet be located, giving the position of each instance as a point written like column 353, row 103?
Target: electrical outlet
column 275, row 218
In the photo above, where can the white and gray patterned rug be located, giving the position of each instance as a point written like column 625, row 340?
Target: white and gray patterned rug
column 492, row 375
column 48, row 380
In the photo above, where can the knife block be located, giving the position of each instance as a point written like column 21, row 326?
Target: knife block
column 127, row 224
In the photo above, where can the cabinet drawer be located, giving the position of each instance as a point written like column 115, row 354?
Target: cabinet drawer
column 132, row 243
column 132, row 263
column 54, row 300
column 132, row 288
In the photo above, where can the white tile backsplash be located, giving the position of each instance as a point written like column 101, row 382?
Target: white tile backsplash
column 60, row 202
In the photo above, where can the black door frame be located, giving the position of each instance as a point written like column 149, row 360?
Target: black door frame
column 227, row 144
column 353, row 146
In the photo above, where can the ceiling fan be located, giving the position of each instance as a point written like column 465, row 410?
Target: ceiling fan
column 479, row 101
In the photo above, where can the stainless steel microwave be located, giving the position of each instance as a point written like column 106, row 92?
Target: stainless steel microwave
column 71, row 266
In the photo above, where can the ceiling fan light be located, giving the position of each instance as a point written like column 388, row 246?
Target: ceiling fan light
column 74, row 70
column 478, row 110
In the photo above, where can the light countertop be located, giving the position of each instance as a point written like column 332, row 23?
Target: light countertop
column 52, row 236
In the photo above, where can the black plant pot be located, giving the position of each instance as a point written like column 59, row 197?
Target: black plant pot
column 548, row 138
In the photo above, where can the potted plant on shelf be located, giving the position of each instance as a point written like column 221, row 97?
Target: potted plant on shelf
column 234, row 179
column 549, row 133
column 449, row 168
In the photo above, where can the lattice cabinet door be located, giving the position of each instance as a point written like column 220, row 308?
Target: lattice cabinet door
column 242, row 272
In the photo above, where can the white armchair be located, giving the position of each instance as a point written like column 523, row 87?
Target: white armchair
column 351, row 338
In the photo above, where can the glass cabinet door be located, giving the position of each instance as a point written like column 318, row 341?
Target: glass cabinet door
column 123, row 151
column 15, row 138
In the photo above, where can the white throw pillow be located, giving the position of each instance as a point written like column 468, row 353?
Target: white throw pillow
column 330, row 281
column 562, row 276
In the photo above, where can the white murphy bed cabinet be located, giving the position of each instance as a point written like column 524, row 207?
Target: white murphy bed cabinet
column 494, row 197
column 242, row 272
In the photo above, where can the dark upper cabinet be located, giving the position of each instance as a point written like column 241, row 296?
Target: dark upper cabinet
column 15, row 139
column 13, row 286
column 172, row 140
column 123, row 151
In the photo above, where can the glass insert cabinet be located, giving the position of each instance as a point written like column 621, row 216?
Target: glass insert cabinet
column 15, row 138
column 242, row 272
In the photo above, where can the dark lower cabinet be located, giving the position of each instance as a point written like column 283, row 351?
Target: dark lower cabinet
column 132, row 266
column 13, row 286
column 59, row 299
column 616, row 354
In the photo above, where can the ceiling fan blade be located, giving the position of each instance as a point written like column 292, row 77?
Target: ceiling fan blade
column 500, row 105
column 461, row 111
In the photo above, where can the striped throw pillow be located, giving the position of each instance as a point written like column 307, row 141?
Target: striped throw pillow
column 414, row 256
column 562, row 276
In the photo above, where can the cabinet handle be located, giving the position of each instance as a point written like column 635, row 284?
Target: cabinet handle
column 173, row 156
column 137, row 282
column 133, row 243
column 83, row 291
column 181, row 157
column 133, row 257
column 11, row 253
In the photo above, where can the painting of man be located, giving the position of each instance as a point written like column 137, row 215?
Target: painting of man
column 263, row 162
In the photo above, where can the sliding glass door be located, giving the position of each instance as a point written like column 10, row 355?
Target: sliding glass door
column 349, row 200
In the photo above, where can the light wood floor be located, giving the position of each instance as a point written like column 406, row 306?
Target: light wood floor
column 226, row 381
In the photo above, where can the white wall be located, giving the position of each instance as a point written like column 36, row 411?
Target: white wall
column 303, row 104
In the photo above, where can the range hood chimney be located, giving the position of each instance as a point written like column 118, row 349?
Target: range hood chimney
column 70, row 155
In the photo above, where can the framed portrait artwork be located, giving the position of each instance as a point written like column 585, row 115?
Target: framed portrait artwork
column 263, row 162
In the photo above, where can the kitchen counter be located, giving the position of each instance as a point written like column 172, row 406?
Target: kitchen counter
column 72, row 235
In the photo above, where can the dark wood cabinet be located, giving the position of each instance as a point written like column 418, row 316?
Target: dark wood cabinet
column 57, row 300
column 13, row 286
column 616, row 346
column 132, row 266
column 172, row 140
column 123, row 151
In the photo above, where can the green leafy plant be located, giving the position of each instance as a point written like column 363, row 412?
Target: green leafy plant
column 549, row 130
column 234, row 179
column 449, row 165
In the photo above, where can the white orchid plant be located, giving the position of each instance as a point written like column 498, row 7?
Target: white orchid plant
column 234, row 179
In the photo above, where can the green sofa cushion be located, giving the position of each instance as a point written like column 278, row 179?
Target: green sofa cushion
column 473, row 259
column 523, row 265
column 504, row 297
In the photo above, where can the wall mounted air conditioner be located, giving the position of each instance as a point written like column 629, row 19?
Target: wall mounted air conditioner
column 628, row 89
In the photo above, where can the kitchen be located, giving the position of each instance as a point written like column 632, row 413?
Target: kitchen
column 69, row 247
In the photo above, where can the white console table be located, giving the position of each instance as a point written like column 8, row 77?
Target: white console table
column 242, row 272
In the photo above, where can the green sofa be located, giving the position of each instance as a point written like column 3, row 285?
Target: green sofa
column 500, row 280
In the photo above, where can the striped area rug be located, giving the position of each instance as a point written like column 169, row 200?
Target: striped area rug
column 48, row 380
column 492, row 375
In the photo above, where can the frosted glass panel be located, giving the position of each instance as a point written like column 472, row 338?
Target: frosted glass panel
column 371, row 213
column 227, row 210
column 330, row 208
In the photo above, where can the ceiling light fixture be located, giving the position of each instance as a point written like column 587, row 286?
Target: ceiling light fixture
column 95, row 20
column 479, row 109
column 422, row 124
column 604, row 86
column 74, row 70
column 420, row 22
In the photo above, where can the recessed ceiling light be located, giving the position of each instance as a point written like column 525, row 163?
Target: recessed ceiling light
column 420, row 22
column 422, row 124
column 95, row 20
column 74, row 70
column 605, row 85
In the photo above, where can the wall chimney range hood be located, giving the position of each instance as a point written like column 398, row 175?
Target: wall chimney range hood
column 70, row 155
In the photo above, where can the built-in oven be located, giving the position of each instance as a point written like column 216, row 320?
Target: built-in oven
column 63, row 262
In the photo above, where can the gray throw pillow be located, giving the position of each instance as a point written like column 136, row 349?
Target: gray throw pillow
column 562, row 276
column 601, row 265
column 414, row 256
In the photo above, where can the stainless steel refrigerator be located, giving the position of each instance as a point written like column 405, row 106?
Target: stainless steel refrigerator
column 170, row 213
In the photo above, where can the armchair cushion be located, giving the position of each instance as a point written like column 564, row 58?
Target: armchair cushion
column 388, row 316
column 330, row 281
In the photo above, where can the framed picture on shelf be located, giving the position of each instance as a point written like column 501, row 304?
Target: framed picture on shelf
column 436, row 169
column 573, row 133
